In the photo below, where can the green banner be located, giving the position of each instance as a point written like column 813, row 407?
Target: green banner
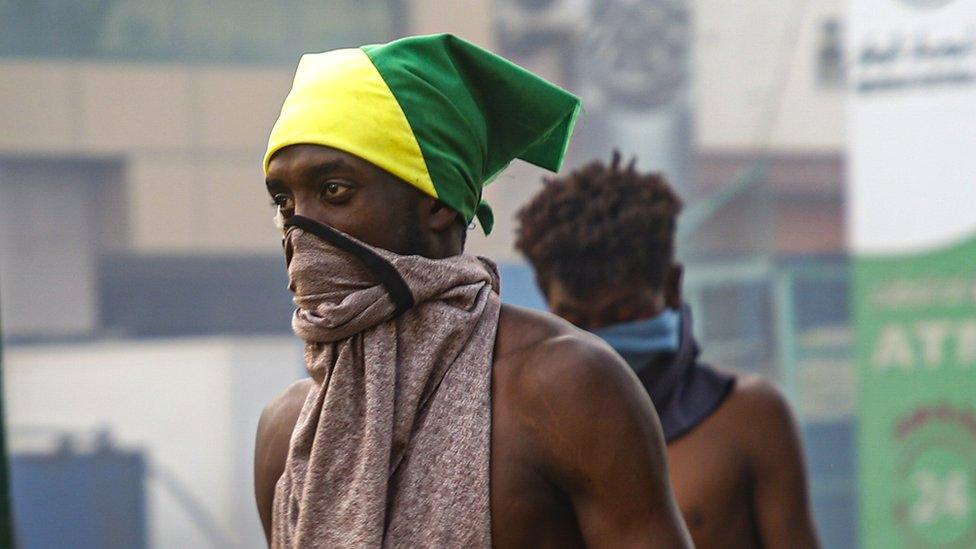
column 916, row 352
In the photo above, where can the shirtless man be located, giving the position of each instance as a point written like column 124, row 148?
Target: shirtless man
column 576, row 451
column 601, row 241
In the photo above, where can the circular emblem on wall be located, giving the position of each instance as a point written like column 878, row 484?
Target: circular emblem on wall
column 935, row 496
column 636, row 51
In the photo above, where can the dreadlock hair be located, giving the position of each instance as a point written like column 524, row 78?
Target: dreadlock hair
column 600, row 226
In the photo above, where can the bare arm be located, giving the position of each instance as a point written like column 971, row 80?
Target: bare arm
column 271, row 447
column 780, row 492
column 603, row 446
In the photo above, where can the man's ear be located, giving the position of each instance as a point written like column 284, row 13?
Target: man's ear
column 672, row 286
column 440, row 217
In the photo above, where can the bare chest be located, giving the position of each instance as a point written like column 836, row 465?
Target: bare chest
column 711, row 483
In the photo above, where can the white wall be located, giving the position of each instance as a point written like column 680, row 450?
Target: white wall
column 47, row 251
column 192, row 405
column 191, row 138
column 755, row 72
column 472, row 20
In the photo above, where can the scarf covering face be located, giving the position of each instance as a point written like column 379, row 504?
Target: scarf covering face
column 391, row 448
column 684, row 391
column 641, row 341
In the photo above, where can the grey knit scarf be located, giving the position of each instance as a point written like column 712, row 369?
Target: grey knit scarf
column 391, row 448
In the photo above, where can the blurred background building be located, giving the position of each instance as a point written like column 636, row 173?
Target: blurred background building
column 144, row 301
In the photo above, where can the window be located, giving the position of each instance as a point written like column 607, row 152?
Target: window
column 246, row 31
column 830, row 55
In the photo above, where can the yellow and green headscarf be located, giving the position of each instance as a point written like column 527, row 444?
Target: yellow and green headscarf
column 436, row 111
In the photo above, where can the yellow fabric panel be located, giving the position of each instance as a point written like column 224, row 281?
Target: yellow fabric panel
column 339, row 100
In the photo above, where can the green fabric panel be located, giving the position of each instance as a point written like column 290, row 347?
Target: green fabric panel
column 474, row 112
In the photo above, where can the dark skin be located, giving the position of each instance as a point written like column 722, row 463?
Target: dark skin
column 577, row 454
column 739, row 475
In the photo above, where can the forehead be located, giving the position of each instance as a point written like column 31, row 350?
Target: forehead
column 597, row 298
column 300, row 161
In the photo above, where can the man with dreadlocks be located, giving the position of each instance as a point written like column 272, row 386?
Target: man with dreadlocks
column 601, row 242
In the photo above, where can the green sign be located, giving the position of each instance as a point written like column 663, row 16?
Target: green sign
column 916, row 351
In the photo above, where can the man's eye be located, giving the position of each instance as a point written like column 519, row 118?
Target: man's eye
column 333, row 190
column 283, row 201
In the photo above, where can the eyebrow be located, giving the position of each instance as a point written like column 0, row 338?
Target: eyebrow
column 567, row 308
column 615, row 304
column 316, row 171
column 611, row 309
column 612, row 305
column 327, row 168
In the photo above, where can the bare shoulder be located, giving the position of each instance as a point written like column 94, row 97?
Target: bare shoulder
column 768, row 435
column 283, row 410
column 761, row 418
column 543, row 356
column 271, row 444
column 275, row 426
column 565, row 387
column 588, row 428
column 756, row 399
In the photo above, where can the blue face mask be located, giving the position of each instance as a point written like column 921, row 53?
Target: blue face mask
column 640, row 341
